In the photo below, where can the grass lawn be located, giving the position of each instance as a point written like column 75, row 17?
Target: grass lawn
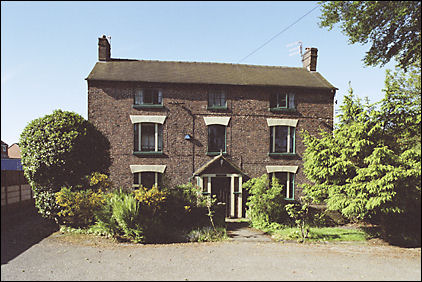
column 320, row 234
column 285, row 233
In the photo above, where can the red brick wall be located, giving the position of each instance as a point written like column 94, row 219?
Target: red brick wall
column 248, row 135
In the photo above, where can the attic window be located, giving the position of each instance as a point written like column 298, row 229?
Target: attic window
column 148, row 97
column 282, row 101
column 217, row 100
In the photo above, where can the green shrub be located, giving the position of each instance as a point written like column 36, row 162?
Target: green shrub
column 153, row 215
column 119, row 217
column 265, row 202
column 77, row 208
column 99, row 181
column 57, row 152
column 45, row 201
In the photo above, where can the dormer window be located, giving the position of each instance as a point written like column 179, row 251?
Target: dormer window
column 217, row 100
column 282, row 101
column 148, row 97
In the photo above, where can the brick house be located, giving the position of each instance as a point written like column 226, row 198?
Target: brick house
column 14, row 151
column 214, row 124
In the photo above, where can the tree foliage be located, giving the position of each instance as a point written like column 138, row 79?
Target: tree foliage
column 393, row 28
column 61, row 149
column 370, row 167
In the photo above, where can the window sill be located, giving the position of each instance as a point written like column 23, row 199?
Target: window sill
column 282, row 110
column 289, row 199
column 282, row 154
column 215, row 153
column 217, row 108
column 147, row 153
column 148, row 106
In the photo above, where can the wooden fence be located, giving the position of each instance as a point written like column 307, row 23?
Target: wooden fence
column 14, row 188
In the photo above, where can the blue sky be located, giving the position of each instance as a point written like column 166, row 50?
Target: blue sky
column 49, row 48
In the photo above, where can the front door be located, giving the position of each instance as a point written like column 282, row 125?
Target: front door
column 220, row 187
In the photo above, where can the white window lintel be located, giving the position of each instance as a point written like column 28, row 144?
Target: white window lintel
column 147, row 168
column 217, row 120
column 282, row 168
column 282, row 122
column 150, row 119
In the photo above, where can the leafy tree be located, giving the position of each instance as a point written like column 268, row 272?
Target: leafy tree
column 393, row 28
column 370, row 168
column 60, row 149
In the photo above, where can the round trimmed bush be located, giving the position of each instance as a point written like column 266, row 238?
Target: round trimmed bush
column 58, row 150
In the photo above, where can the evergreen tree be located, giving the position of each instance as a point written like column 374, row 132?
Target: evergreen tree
column 370, row 167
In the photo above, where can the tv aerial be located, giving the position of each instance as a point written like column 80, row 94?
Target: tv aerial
column 295, row 50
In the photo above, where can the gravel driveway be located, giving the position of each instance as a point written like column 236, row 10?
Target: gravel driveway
column 250, row 255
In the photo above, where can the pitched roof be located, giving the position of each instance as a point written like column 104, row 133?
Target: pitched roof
column 207, row 165
column 206, row 73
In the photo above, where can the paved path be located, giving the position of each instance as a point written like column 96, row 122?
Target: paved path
column 241, row 232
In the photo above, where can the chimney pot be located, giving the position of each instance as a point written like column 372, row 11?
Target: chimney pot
column 309, row 59
column 104, row 49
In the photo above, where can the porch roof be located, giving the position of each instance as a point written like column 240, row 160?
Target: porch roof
column 203, row 168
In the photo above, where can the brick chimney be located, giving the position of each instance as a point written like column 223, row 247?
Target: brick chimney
column 103, row 49
column 309, row 59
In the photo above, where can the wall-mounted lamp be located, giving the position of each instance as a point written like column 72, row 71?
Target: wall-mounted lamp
column 188, row 137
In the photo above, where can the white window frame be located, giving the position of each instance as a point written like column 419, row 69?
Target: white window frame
column 140, row 179
column 147, row 168
column 156, row 141
column 273, row 122
column 291, row 175
column 138, row 119
column 289, row 133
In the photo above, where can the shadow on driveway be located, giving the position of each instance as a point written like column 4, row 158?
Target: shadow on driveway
column 240, row 231
column 21, row 229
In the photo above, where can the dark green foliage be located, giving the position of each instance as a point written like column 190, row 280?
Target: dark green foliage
column 58, row 150
column 153, row 216
column 120, row 217
column 393, row 28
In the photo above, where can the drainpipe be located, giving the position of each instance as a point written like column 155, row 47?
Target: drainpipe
column 193, row 136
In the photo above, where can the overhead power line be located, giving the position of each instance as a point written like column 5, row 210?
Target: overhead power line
column 272, row 38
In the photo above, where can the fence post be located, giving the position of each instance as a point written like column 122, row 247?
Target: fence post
column 6, row 196
column 18, row 178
